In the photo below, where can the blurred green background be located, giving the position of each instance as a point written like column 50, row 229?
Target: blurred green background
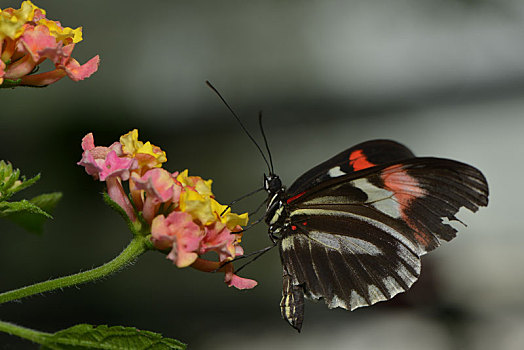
column 446, row 78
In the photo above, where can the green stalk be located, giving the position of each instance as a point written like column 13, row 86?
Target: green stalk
column 22, row 332
column 136, row 247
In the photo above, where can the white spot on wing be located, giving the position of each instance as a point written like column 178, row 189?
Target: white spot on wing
column 345, row 243
column 406, row 276
column 389, row 207
column 287, row 243
column 392, row 285
column 379, row 198
column 357, row 300
column 375, row 294
column 337, row 302
column 329, row 200
column 335, row 172
column 409, row 257
column 312, row 296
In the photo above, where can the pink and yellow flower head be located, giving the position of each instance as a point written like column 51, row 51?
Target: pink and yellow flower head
column 27, row 38
column 148, row 156
column 185, row 219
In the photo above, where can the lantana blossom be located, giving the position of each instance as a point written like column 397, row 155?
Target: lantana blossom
column 158, row 186
column 183, row 217
column 27, row 38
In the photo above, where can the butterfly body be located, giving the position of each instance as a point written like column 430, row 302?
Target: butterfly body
column 352, row 230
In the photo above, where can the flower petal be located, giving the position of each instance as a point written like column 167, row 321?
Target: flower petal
column 158, row 184
column 184, row 235
column 36, row 40
column 198, row 206
column 149, row 156
column 88, row 142
column 43, row 79
column 12, row 21
column 114, row 166
column 78, row 72
column 240, row 282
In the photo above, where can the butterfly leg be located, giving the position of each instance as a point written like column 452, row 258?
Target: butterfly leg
column 240, row 198
column 292, row 303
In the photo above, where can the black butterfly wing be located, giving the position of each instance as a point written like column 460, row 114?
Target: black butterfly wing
column 322, row 259
column 357, row 239
column 359, row 157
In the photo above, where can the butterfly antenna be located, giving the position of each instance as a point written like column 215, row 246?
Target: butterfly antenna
column 239, row 122
column 265, row 140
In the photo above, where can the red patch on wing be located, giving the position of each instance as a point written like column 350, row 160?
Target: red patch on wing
column 293, row 227
column 406, row 189
column 358, row 160
column 295, row 197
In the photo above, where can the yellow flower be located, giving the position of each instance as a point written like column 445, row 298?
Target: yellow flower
column 130, row 142
column 200, row 185
column 231, row 220
column 12, row 21
column 198, row 200
column 62, row 34
column 198, row 206
column 148, row 155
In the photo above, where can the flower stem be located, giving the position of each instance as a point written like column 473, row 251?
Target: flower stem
column 136, row 247
column 23, row 332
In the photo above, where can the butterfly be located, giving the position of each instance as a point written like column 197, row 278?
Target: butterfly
column 352, row 230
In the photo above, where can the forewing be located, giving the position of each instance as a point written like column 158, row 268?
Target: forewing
column 423, row 194
column 359, row 157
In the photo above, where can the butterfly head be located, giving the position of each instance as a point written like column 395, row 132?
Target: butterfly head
column 272, row 183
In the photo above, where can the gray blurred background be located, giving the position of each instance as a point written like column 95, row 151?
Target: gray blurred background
column 444, row 77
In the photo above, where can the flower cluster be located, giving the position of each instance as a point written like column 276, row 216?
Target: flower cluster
column 27, row 38
column 180, row 210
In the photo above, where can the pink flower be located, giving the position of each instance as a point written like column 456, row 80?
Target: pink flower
column 231, row 279
column 188, row 240
column 160, row 187
column 27, row 38
column 220, row 240
column 179, row 233
column 225, row 243
column 103, row 163
column 238, row 282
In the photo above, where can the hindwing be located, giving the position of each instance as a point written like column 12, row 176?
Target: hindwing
column 347, row 257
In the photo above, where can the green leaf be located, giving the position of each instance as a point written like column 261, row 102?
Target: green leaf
column 8, row 208
column 11, row 182
column 26, row 183
column 88, row 337
column 32, row 214
column 47, row 201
